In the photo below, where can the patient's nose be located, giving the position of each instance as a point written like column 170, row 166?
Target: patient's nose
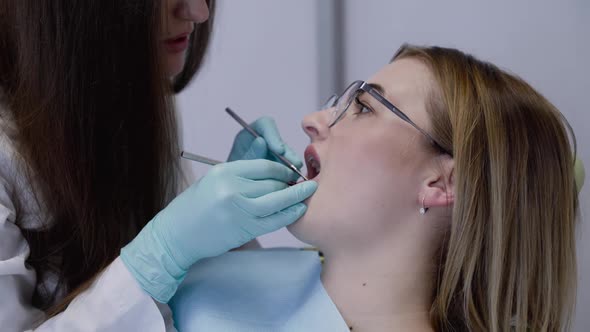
column 315, row 125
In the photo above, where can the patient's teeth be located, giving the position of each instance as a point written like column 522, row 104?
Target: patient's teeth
column 314, row 164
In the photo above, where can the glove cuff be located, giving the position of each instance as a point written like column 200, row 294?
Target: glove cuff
column 149, row 262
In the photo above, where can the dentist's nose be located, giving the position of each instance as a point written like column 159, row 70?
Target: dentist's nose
column 192, row 10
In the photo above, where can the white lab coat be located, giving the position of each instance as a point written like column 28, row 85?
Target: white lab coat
column 114, row 302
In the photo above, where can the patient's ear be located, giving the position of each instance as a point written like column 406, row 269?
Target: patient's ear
column 437, row 189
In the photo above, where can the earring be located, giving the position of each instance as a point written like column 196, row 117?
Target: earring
column 423, row 209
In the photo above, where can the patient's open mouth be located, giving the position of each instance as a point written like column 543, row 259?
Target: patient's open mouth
column 312, row 161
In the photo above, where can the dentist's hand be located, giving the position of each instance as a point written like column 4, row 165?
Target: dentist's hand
column 247, row 146
column 232, row 204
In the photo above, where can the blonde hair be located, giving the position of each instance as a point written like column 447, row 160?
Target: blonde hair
column 508, row 261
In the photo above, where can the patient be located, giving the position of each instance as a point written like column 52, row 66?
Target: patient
column 446, row 201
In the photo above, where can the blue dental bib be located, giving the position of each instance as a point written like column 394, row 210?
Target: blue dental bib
column 258, row 290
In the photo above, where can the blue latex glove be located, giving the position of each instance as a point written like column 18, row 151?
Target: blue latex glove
column 247, row 146
column 232, row 204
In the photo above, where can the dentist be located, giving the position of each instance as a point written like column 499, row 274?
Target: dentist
column 93, row 233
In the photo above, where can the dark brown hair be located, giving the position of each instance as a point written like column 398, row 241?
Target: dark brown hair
column 83, row 84
column 509, row 262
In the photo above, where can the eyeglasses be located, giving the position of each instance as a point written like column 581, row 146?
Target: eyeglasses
column 341, row 104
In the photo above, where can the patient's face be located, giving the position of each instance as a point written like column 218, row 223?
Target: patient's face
column 369, row 162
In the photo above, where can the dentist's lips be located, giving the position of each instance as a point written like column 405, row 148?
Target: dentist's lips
column 312, row 161
column 177, row 44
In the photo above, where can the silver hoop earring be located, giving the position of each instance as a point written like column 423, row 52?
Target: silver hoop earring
column 423, row 209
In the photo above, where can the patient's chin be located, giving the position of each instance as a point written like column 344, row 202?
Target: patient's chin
column 302, row 229
column 310, row 228
column 297, row 228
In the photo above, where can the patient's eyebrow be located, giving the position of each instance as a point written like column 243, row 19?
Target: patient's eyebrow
column 381, row 91
column 377, row 87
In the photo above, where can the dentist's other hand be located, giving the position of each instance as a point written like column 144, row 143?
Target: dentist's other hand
column 247, row 146
column 232, row 204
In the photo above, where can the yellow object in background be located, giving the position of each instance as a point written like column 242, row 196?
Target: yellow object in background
column 580, row 175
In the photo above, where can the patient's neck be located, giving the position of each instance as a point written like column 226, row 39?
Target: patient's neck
column 385, row 285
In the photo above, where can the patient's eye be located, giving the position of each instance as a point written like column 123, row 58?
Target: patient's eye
column 360, row 108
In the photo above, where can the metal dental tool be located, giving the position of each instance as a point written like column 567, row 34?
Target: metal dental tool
column 209, row 161
column 255, row 134
column 201, row 159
